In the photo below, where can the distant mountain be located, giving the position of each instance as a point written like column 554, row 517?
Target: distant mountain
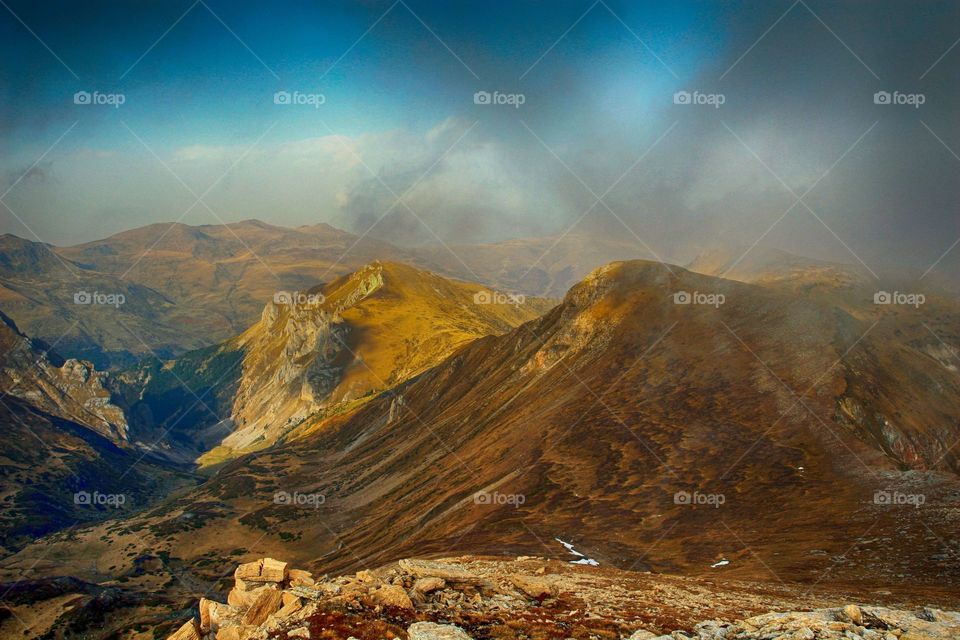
column 542, row 266
column 85, row 313
column 763, row 265
column 182, row 287
column 657, row 419
column 186, row 287
column 231, row 270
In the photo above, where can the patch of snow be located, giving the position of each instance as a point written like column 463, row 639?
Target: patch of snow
column 582, row 559
column 589, row 561
column 722, row 563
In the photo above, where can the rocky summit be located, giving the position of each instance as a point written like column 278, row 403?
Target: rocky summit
column 531, row 597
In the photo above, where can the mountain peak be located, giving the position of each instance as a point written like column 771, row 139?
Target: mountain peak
column 319, row 351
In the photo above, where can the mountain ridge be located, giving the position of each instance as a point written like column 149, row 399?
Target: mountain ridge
column 612, row 407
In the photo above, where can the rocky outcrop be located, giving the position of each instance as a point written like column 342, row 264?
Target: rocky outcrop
column 73, row 389
column 847, row 623
column 459, row 599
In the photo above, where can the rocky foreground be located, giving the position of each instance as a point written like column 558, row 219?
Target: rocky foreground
column 479, row 598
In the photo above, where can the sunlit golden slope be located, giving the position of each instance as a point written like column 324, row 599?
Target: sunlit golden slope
column 331, row 348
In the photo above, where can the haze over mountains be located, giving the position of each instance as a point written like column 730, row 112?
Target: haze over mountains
column 186, row 287
column 431, row 320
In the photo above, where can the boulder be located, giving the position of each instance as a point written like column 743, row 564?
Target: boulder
column 391, row 595
column 300, row 578
column 536, row 588
column 188, row 631
column 263, row 570
column 290, row 605
column 266, row 604
column 852, row 613
column 248, row 570
column 299, row 632
column 273, row 571
column 428, row 585
column 641, row 634
column 213, row 614
column 433, row 631
column 244, row 599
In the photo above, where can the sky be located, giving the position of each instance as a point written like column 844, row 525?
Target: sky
column 683, row 125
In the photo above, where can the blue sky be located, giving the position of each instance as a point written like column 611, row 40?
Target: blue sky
column 597, row 80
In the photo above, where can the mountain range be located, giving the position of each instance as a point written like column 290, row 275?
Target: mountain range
column 183, row 287
column 697, row 413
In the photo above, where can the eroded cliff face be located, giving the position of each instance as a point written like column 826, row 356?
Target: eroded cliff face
column 295, row 358
column 318, row 353
column 74, row 390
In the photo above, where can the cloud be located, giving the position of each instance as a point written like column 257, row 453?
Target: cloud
column 454, row 184
column 36, row 174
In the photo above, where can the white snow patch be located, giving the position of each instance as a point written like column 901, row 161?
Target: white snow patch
column 589, row 561
column 582, row 559
column 722, row 563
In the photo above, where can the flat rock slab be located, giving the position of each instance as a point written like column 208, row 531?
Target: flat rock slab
column 434, row 569
column 534, row 587
column 187, row 632
column 433, row 631
column 265, row 605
